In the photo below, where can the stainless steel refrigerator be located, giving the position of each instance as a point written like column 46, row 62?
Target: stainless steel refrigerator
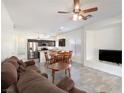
column 32, row 49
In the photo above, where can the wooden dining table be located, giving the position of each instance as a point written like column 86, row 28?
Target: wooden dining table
column 58, row 67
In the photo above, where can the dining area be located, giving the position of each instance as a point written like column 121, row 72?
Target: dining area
column 58, row 61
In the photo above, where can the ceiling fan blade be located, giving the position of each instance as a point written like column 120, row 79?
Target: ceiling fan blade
column 86, row 17
column 90, row 10
column 76, row 4
column 63, row 12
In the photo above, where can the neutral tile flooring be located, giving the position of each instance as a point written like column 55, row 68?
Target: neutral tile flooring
column 88, row 79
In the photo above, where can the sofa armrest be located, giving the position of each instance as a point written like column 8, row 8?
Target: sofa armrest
column 66, row 84
column 29, row 62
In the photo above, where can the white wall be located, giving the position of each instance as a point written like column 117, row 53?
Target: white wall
column 74, row 43
column 7, row 34
column 14, row 40
column 108, row 37
column 103, row 35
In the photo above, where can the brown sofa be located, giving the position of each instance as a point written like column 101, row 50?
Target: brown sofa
column 24, row 77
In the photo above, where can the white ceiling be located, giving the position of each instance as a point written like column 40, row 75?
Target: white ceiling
column 41, row 15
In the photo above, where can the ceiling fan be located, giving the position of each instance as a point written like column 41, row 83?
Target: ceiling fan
column 78, row 13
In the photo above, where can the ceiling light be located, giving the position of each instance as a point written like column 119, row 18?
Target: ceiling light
column 79, row 17
column 76, row 7
column 61, row 27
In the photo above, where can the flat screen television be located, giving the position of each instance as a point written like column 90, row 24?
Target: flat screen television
column 61, row 42
column 114, row 56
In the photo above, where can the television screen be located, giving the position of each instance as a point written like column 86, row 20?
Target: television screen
column 61, row 42
column 114, row 56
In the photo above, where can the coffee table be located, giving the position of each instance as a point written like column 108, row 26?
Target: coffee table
column 59, row 67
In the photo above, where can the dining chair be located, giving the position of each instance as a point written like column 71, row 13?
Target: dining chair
column 54, row 56
column 70, row 55
column 48, row 60
column 59, row 58
column 66, row 57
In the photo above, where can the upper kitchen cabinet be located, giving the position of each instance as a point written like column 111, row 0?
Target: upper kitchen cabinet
column 46, row 43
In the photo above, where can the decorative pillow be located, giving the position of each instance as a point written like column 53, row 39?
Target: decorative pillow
column 66, row 84
column 21, row 69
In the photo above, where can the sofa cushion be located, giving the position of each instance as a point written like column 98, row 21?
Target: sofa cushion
column 32, row 82
column 20, row 62
column 45, row 75
column 8, row 75
column 22, row 66
column 30, row 62
column 13, row 60
column 76, row 90
column 12, row 89
column 66, row 84
column 33, row 67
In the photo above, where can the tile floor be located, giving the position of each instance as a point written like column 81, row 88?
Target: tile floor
column 88, row 79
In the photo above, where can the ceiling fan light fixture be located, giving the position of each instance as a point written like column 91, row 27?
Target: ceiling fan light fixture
column 75, row 17
column 80, row 17
column 77, row 7
column 80, row 13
